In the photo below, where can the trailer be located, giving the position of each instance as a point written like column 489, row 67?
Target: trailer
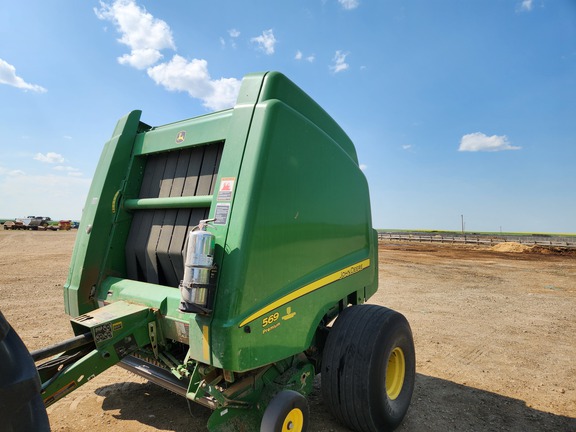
column 32, row 223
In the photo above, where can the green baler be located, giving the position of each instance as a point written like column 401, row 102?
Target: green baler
column 215, row 253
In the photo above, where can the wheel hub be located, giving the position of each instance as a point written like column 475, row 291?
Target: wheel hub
column 395, row 373
column 294, row 421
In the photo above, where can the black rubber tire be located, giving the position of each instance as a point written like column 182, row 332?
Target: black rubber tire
column 285, row 404
column 355, row 363
column 21, row 406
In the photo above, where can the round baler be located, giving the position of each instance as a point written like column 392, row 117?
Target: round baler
column 228, row 258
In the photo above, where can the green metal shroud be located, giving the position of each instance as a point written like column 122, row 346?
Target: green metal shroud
column 116, row 331
column 294, row 238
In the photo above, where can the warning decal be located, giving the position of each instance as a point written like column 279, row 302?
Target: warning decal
column 226, row 188
column 221, row 216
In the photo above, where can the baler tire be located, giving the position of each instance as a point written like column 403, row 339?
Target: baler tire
column 287, row 412
column 368, row 368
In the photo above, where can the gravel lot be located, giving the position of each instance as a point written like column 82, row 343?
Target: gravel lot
column 494, row 334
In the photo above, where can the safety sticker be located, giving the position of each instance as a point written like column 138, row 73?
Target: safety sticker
column 226, row 188
column 221, row 214
column 102, row 333
column 183, row 331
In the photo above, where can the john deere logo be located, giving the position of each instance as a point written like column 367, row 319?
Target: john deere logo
column 180, row 137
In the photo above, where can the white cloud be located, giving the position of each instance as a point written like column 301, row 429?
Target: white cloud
column 339, row 62
column 363, row 167
column 299, row 56
column 480, row 142
column 407, row 147
column 182, row 75
column 11, row 173
column 71, row 171
column 349, row 4
column 141, row 58
column 234, row 34
column 8, row 76
column 266, row 41
column 145, row 35
column 224, row 93
column 526, row 5
column 49, row 157
column 193, row 78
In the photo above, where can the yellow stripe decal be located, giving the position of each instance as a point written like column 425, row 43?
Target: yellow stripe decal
column 307, row 289
column 205, row 343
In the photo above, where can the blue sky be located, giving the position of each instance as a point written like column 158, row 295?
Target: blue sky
column 455, row 107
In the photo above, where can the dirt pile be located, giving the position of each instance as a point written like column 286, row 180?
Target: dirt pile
column 511, row 247
column 534, row 249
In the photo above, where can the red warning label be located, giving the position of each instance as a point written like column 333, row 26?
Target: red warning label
column 226, row 188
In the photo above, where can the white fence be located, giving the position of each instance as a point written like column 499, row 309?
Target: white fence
column 566, row 242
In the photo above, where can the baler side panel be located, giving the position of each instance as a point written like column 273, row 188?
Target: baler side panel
column 98, row 216
column 293, row 223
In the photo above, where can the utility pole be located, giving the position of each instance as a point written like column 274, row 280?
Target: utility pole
column 462, row 217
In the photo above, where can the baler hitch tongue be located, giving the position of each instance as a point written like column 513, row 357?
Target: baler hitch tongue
column 115, row 331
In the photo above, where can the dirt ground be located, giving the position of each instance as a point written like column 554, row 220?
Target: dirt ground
column 495, row 336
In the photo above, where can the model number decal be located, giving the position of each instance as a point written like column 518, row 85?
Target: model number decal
column 272, row 322
column 270, row 319
column 300, row 292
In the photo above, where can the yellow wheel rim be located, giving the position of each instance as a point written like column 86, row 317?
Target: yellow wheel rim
column 294, row 421
column 395, row 373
